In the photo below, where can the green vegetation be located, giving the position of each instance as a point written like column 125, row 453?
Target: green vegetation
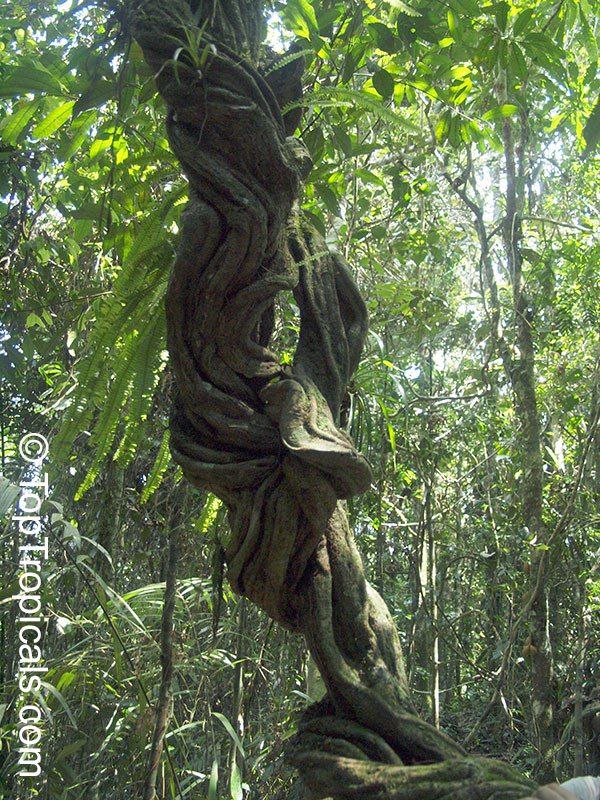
column 455, row 166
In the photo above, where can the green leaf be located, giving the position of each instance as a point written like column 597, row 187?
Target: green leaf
column 158, row 469
column 33, row 321
column 329, row 198
column 402, row 190
column 391, row 436
column 352, row 60
column 148, row 367
column 25, row 79
column 442, row 128
column 53, row 121
column 384, row 37
column 522, row 21
column 383, row 83
column 452, row 21
column 340, row 97
column 302, row 19
column 399, row 5
column 214, row 781
column 591, row 44
column 98, row 93
column 8, row 495
column 343, row 140
column 308, row 13
column 208, row 515
column 79, row 129
column 500, row 112
column 61, row 699
column 235, row 783
column 280, row 63
column 14, row 124
column 315, row 142
column 108, row 420
column 99, row 145
column 229, row 728
column 69, row 749
column 501, row 10
column 517, row 61
column 591, row 132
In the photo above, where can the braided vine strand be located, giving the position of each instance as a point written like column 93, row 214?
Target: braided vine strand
column 243, row 425
column 264, row 437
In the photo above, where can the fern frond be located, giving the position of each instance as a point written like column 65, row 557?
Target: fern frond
column 147, row 372
column 105, row 429
column 116, row 320
column 342, row 97
column 161, row 463
column 283, row 62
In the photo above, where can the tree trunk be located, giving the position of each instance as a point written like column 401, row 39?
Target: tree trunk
column 532, row 465
column 164, row 701
column 264, row 436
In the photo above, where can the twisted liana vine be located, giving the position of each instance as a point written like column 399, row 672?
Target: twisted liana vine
column 264, row 437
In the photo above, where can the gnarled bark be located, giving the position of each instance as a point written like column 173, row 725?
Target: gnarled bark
column 262, row 436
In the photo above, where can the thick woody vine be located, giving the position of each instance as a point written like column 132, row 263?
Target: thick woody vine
column 264, row 437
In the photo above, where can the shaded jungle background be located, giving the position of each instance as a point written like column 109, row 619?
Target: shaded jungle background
column 477, row 401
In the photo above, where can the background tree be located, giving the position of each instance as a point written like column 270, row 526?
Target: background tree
column 86, row 257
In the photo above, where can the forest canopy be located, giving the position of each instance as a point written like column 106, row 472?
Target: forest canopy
column 453, row 151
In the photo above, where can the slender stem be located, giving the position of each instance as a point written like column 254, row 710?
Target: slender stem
column 163, row 704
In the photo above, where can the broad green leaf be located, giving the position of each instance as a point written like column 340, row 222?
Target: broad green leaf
column 79, row 129
column 33, row 321
column 53, row 121
column 500, row 112
column 235, row 783
column 442, row 128
column 26, row 79
column 329, row 198
column 96, row 95
column 230, row 730
column 517, row 61
column 8, row 495
column 352, row 60
column 384, row 37
column 522, row 21
column 308, row 13
column 452, row 21
column 591, row 132
column 343, row 140
column 214, row 781
column 368, row 176
column 14, row 124
column 302, row 19
column 383, row 83
column 69, row 749
column 589, row 37
column 501, row 10
column 99, row 145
